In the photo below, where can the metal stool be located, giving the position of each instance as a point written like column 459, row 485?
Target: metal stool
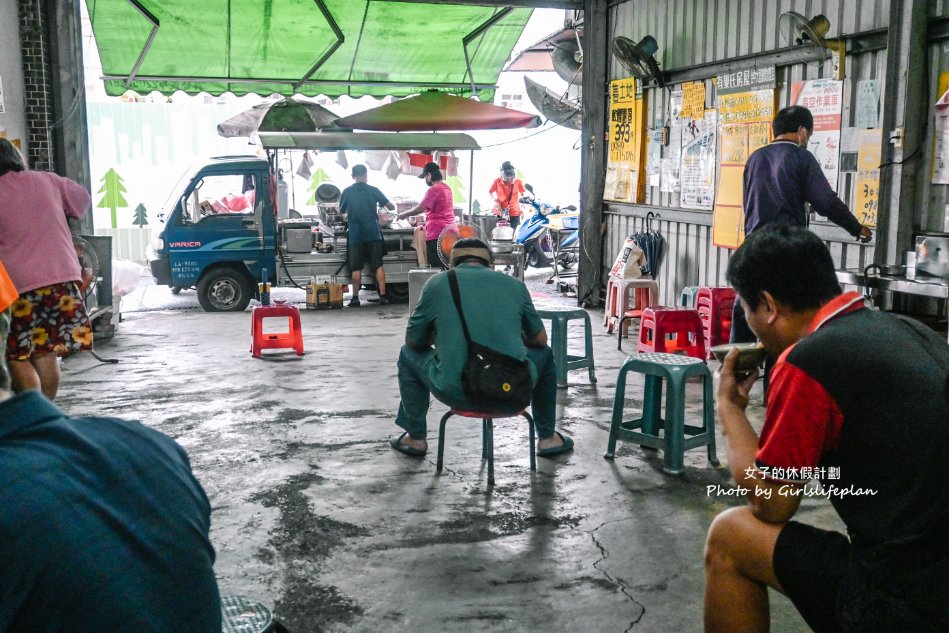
column 487, row 435
column 290, row 339
column 559, row 317
column 678, row 436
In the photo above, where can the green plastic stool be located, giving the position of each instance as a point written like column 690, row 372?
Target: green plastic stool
column 687, row 298
column 559, row 317
column 677, row 436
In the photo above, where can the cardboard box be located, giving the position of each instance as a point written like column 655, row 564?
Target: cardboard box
column 324, row 296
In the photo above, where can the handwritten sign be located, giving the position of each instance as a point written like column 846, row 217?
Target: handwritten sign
column 693, row 100
column 868, row 176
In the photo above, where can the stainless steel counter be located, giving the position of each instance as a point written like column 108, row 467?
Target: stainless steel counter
column 936, row 288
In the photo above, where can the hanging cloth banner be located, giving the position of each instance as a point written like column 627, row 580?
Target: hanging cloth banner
column 745, row 119
column 824, row 98
column 625, row 164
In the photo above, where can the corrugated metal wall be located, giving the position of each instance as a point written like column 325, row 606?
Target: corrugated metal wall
column 695, row 32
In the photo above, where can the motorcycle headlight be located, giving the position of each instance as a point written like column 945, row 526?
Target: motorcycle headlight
column 546, row 209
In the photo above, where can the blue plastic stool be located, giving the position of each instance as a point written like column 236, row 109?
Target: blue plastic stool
column 677, row 436
column 487, row 435
column 687, row 298
column 559, row 317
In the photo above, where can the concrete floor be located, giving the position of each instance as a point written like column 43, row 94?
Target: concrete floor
column 315, row 516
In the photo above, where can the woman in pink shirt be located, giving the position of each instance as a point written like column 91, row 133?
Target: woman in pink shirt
column 439, row 209
column 49, row 318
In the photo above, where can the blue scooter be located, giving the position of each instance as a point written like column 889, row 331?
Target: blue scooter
column 534, row 233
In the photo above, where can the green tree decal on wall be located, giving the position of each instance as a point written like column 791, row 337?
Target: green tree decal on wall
column 113, row 189
column 318, row 178
column 141, row 216
column 457, row 189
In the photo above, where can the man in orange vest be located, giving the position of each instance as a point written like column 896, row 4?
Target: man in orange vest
column 8, row 295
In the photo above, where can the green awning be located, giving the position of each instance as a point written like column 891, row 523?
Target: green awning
column 269, row 46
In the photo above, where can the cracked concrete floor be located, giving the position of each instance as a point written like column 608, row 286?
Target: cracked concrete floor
column 315, row 516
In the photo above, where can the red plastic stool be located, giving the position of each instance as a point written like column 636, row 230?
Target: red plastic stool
column 290, row 339
column 645, row 297
column 487, row 435
column 682, row 324
column 715, row 309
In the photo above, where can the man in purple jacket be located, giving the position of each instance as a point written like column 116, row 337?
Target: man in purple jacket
column 779, row 178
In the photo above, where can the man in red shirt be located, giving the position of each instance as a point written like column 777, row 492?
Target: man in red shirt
column 438, row 206
column 859, row 399
column 507, row 191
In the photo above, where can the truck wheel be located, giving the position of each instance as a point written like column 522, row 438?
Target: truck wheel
column 398, row 293
column 224, row 290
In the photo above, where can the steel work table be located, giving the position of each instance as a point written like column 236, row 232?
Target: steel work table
column 934, row 288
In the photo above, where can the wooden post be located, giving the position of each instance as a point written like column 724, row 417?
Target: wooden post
column 596, row 61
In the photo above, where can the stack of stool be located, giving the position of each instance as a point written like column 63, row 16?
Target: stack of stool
column 672, row 330
column 715, row 309
column 487, row 436
column 618, row 291
column 559, row 317
column 677, row 436
column 293, row 338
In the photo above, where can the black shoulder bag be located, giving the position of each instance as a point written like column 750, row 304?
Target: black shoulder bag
column 491, row 380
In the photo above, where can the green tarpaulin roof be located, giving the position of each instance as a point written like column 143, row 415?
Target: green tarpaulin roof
column 269, row 46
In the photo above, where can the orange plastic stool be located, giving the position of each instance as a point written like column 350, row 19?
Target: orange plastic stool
column 281, row 340
column 715, row 309
column 658, row 324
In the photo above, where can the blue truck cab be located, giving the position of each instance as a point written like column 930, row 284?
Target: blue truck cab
column 221, row 231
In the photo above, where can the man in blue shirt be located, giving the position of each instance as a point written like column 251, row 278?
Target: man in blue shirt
column 102, row 528
column 492, row 302
column 779, row 178
column 360, row 202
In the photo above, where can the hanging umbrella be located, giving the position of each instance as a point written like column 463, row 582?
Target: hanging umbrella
column 438, row 112
column 651, row 242
column 286, row 115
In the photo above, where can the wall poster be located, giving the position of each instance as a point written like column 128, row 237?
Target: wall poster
column 669, row 165
column 697, row 171
column 940, row 162
column 869, row 157
column 745, row 116
column 824, row 98
column 624, row 166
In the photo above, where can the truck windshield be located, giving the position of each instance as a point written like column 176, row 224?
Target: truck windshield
column 177, row 191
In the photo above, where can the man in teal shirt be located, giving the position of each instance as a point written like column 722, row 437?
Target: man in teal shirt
column 491, row 301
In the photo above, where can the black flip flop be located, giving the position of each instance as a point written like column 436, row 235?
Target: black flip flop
column 553, row 451
column 405, row 449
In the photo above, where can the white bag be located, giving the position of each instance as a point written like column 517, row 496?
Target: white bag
column 125, row 276
column 629, row 262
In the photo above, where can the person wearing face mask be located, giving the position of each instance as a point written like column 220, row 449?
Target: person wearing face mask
column 507, row 191
column 439, row 208
column 779, row 178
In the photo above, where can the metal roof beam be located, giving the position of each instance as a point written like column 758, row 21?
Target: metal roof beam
column 309, row 82
column 572, row 5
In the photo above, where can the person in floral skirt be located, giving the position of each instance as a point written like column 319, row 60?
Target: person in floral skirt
column 48, row 318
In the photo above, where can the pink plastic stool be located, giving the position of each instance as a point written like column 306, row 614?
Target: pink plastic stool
column 618, row 294
column 487, row 435
column 290, row 339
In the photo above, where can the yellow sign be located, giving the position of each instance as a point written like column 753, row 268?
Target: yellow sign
column 745, row 126
column 625, row 166
column 869, row 156
column 693, row 100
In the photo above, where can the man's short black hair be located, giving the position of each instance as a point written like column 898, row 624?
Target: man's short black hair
column 792, row 118
column 789, row 262
column 359, row 170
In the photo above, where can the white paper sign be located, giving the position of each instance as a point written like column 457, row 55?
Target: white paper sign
column 941, row 154
column 868, row 101
column 698, row 161
column 669, row 165
column 824, row 98
column 1, row 96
